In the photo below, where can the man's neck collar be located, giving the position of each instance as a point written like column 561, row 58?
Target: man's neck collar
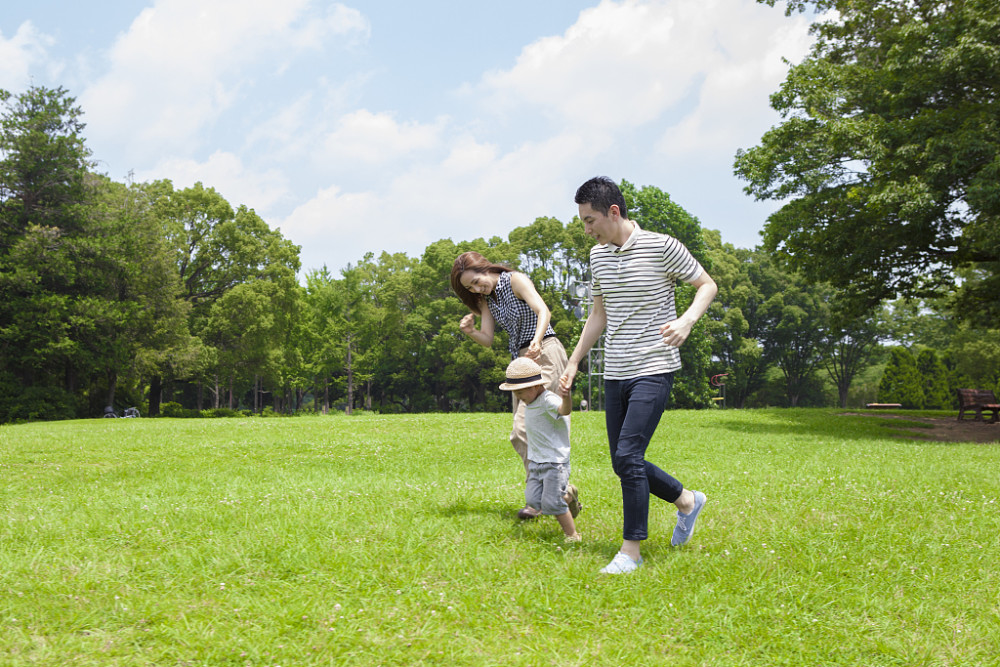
column 633, row 229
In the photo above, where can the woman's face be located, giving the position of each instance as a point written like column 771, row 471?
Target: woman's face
column 478, row 283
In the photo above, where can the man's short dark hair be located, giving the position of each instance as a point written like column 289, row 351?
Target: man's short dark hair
column 602, row 193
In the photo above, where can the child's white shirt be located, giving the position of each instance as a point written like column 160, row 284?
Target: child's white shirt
column 547, row 430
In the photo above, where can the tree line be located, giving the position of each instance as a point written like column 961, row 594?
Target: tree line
column 143, row 294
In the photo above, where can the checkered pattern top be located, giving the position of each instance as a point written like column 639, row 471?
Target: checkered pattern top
column 515, row 316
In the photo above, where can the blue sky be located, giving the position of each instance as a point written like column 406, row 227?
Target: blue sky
column 373, row 126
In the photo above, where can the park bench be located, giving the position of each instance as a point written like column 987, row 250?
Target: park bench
column 978, row 400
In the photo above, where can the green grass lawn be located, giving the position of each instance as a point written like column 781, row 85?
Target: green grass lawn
column 371, row 540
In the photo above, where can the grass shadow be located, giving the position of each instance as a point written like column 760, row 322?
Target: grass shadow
column 478, row 509
column 826, row 423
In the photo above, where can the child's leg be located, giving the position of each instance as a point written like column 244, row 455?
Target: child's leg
column 533, row 489
column 567, row 524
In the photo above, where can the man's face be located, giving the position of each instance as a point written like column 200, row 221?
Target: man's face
column 598, row 225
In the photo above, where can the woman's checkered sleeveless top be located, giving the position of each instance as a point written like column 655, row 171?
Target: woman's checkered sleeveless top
column 515, row 316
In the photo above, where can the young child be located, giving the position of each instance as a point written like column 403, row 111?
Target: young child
column 548, row 488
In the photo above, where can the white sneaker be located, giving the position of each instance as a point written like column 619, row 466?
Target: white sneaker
column 621, row 564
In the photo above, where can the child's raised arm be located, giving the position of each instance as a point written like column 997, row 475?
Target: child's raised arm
column 566, row 407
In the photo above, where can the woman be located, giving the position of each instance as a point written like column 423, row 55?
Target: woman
column 499, row 295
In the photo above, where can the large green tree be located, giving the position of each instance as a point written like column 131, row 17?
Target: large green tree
column 888, row 155
column 49, row 263
column 851, row 343
column 215, row 249
column 797, row 317
column 44, row 163
column 741, row 320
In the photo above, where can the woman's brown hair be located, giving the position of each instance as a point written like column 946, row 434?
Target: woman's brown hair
column 472, row 261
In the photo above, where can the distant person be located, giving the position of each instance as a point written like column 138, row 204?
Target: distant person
column 546, row 419
column 634, row 273
column 498, row 295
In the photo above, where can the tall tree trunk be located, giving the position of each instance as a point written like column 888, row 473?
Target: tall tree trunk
column 326, row 395
column 217, row 397
column 155, row 394
column 350, row 377
column 230, row 392
column 112, row 387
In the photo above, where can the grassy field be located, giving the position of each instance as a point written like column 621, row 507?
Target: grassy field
column 370, row 540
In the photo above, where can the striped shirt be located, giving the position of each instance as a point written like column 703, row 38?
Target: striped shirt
column 515, row 316
column 637, row 283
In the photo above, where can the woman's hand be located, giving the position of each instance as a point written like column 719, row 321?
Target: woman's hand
column 468, row 324
column 534, row 350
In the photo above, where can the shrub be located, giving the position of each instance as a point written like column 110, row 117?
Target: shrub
column 221, row 412
column 176, row 410
column 36, row 403
column 934, row 375
column 901, row 382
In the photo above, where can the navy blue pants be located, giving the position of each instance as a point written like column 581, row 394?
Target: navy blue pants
column 634, row 408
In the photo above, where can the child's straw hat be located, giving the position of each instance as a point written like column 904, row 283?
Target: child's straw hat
column 521, row 373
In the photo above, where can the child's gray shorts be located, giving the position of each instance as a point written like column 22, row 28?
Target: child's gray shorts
column 546, row 487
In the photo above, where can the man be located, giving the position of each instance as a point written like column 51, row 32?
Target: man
column 634, row 273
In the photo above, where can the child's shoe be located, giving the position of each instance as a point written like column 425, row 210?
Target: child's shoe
column 573, row 500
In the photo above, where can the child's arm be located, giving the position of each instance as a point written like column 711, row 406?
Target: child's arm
column 566, row 407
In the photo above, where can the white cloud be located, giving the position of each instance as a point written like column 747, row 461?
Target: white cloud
column 695, row 65
column 378, row 138
column 19, row 54
column 620, row 64
column 183, row 63
column 474, row 191
column 226, row 173
column 269, row 102
column 733, row 105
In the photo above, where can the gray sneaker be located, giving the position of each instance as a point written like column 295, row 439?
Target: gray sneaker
column 685, row 522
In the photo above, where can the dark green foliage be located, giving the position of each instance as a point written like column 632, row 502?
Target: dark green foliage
column 221, row 412
column 901, row 381
column 934, row 376
column 35, row 403
column 176, row 410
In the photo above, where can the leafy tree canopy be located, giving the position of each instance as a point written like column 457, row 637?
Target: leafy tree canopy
column 889, row 152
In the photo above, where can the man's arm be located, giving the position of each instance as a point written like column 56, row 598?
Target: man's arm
column 592, row 331
column 676, row 332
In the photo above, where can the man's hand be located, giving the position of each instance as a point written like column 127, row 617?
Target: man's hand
column 566, row 379
column 676, row 332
